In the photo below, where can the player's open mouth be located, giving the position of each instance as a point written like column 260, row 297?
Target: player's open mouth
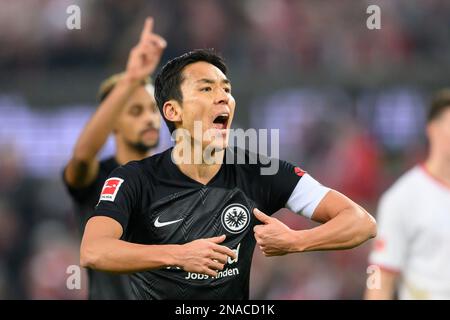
column 221, row 121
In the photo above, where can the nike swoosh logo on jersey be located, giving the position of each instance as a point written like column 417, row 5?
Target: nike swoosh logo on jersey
column 162, row 224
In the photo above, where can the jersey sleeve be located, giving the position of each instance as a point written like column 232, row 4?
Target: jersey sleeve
column 83, row 194
column 120, row 195
column 293, row 188
column 390, row 247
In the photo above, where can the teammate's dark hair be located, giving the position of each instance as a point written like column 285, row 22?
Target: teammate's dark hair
column 440, row 102
column 168, row 81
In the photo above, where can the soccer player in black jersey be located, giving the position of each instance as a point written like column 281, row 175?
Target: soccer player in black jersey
column 187, row 229
column 128, row 109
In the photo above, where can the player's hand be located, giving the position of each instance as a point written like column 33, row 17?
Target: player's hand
column 205, row 256
column 273, row 236
column 145, row 56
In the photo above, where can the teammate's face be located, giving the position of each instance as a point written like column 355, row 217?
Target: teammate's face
column 439, row 133
column 139, row 122
column 207, row 100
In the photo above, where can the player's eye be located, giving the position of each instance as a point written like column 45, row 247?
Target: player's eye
column 206, row 89
column 135, row 110
column 227, row 90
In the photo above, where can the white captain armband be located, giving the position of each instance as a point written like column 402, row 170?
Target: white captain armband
column 306, row 196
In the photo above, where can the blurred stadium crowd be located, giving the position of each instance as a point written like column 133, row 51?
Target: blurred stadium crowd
column 349, row 103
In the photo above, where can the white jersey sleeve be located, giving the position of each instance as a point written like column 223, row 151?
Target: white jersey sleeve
column 390, row 247
column 306, row 196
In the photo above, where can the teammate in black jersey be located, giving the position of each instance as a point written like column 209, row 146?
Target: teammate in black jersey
column 187, row 229
column 128, row 109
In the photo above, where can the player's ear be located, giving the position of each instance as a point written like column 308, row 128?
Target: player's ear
column 172, row 111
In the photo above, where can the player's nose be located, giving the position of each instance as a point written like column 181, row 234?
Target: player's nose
column 150, row 118
column 222, row 97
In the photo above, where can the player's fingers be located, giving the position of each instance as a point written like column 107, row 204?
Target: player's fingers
column 134, row 52
column 154, row 40
column 149, row 54
column 218, row 239
column 259, row 237
column 139, row 52
column 261, row 216
column 225, row 250
column 210, row 272
column 215, row 265
column 258, row 229
column 222, row 258
column 148, row 27
column 150, row 51
column 159, row 40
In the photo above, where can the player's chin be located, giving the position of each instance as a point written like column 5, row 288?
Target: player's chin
column 151, row 142
column 146, row 145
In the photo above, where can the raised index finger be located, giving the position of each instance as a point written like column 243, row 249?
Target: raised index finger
column 148, row 27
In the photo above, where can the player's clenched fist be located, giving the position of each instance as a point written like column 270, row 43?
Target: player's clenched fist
column 205, row 256
column 145, row 56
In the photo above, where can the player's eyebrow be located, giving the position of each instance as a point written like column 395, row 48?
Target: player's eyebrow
column 210, row 81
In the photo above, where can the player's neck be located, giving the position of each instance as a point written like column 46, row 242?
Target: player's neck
column 438, row 167
column 198, row 168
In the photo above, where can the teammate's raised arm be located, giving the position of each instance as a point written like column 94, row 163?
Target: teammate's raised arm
column 143, row 59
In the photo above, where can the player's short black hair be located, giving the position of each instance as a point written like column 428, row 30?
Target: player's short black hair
column 168, row 81
column 439, row 103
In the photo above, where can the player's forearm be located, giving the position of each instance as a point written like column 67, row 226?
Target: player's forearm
column 113, row 255
column 99, row 127
column 351, row 227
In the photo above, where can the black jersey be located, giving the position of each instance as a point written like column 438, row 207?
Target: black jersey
column 102, row 285
column 157, row 204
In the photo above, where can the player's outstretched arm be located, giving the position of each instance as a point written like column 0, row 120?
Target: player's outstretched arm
column 143, row 59
column 345, row 225
column 102, row 249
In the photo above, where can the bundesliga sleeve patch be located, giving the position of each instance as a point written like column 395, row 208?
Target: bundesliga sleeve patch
column 110, row 189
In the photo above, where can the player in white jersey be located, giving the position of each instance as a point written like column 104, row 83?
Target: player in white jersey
column 412, row 249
